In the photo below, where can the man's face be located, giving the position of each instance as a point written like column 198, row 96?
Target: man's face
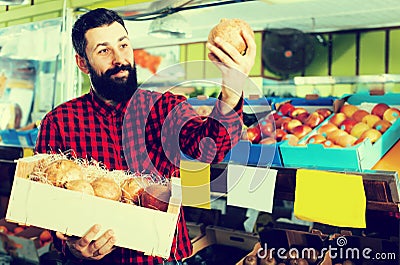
column 110, row 62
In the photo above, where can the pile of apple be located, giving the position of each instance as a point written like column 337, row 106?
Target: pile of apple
column 44, row 237
column 287, row 123
column 353, row 125
column 12, row 231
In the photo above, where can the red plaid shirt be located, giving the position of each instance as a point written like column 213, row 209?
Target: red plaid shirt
column 148, row 139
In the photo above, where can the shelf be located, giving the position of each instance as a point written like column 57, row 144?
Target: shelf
column 380, row 187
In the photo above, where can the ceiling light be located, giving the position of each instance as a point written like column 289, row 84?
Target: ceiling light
column 13, row 2
column 170, row 26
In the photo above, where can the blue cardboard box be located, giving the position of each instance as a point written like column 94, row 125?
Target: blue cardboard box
column 19, row 138
column 246, row 153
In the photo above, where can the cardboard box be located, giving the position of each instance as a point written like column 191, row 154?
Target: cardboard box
column 305, row 244
column 195, row 230
column 227, row 237
column 25, row 253
column 325, row 261
column 29, row 232
column 247, row 153
column 20, row 138
column 73, row 213
column 355, row 158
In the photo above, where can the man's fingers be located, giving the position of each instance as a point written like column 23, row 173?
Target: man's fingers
column 220, row 54
column 107, row 247
column 89, row 236
column 250, row 43
column 102, row 241
column 61, row 236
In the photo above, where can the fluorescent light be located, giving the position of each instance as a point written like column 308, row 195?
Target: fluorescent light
column 170, row 26
column 13, row 2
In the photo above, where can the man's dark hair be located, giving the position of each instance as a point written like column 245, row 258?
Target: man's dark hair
column 92, row 19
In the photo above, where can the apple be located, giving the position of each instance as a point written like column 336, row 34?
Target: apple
column 301, row 131
column 290, row 125
column 358, row 129
column 279, row 123
column 347, row 124
column 45, row 236
column 372, row 134
column 286, row 108
column 337, row 118
column 254, row 134
column 327, row 143
column 326, row 128
column 345, row 140
column 391, row 115
column 359, row 115
column 371, row 119
column 330, row 144
column 382, row 125
column 279, row 134
column 3, row 229
column 267, row 140
column 333, row 135
column 296, row 111
column 316, row 139
column 348, row 110
column 267, row 128
column 314, row 119
column 291, row 138
column 325, row 112
column 18, row 229
column 379, row 109
column 276, row 116
column 303, row 117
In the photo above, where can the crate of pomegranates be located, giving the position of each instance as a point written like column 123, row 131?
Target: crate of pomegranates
column 52, row 191
column 362, row 129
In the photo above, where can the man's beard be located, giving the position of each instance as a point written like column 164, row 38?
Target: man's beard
column 115, row 89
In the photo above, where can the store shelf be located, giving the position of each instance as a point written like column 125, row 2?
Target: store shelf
column 381, row 187
column 9, row 153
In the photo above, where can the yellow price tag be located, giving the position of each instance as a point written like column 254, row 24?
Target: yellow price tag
column 195, row 181
column 332, row 198
column 27, row 152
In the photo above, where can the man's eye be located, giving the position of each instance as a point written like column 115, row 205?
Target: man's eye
column 103, row 51
column 124, row 45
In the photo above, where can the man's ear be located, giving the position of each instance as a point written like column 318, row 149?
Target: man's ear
column 81, row 63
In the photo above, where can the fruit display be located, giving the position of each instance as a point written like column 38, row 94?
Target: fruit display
column 288, row 122
column 42, row 236
column 12, row 229
column 353, row 125
column 91, row 178
column 355, row 137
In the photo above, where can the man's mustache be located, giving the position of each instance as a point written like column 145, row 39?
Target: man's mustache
column 117, row 69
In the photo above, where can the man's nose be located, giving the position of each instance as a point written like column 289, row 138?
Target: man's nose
column 118, row 59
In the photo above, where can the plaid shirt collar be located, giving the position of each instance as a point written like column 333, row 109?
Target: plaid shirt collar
column 106, row 109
